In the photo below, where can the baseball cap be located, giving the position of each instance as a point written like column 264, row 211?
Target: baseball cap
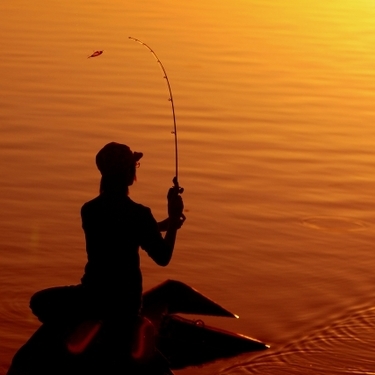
column 115, row 158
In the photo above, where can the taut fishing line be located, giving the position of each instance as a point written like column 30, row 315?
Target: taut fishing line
column 175, row 180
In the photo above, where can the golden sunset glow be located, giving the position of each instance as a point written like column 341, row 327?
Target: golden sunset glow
column 275, row 114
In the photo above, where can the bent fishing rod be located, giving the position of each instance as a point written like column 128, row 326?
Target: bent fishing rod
column 175, row 179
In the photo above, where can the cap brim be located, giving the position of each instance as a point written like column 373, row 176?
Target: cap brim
column 137, row 155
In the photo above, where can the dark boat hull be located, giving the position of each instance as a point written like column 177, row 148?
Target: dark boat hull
column 185, row 342
column 177, row 342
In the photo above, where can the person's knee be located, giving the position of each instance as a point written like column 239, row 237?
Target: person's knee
column 38, row 304
column 35, row 303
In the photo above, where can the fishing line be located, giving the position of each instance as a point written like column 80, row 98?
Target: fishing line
column 175, row 180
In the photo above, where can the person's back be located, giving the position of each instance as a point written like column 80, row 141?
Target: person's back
column 115, row 227
column 112, row 232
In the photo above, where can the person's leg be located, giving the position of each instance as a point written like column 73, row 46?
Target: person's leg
column 120, row 321
column 64, row 302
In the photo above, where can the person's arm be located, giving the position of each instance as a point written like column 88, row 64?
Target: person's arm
column 163, row 225
column 175, row 216
column 164, row 254
column 161, row 251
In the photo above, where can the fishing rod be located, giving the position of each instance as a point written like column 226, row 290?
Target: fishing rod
column 175, row 179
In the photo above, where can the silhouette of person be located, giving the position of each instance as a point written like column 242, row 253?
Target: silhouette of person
column 115, row 227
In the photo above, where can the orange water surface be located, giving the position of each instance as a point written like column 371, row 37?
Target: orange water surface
column 276, row 126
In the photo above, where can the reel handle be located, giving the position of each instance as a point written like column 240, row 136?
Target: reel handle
column 177, row 186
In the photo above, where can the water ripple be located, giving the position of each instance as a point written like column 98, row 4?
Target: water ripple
column 344, row 347
column 334, row 224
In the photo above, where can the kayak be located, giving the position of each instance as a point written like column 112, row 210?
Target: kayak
column 164, row 340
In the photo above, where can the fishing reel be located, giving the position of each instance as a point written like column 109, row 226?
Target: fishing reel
column 175, row 203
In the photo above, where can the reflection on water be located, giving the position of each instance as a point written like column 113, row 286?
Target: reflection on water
column 274, row 106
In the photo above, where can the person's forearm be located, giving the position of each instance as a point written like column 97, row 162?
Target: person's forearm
column 163, row 225
column 170, row 240
column 171, row 234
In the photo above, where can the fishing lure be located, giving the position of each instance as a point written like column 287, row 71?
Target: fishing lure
column 96, row 53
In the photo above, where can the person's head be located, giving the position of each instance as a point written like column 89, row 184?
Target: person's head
column 117, row 165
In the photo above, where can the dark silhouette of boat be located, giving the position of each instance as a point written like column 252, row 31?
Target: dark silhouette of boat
column 165, row 340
